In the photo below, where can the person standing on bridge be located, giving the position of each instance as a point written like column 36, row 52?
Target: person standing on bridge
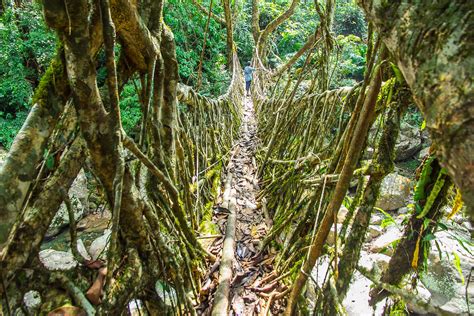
column 248, row 71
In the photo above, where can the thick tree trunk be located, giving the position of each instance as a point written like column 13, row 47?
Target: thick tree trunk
column 19, row 168
column 29, row 231
column 169, row 109
column 433, row 45
column 230, row 32
column 255, row 20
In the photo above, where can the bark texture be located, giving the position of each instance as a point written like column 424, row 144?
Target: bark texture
column 19, row 168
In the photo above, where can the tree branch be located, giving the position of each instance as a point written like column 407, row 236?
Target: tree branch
column 201, row 8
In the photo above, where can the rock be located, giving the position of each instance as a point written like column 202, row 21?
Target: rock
column 98, row 248
column 394, row 192
column 408, row 142
column 356, row 301
column 78, row 194
column 374, row 231
column 409, row 130
column 468, row 225
column 425, row 137
column 373, row 260
column 442, row 280
column 384, row 242
column 376, row 219
column 407, row 148
column 331, row 237
column 342, row 214
column 57, row 260
column 403, row 210
column 447, row 293
column 61, row 219
column 32, row 301
column 423, row 153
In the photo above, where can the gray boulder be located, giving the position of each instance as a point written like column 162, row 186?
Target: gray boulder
column 371, row 261
column 406, row 147
column 78, row 194
column 374, row 232
column 57, row 260
column 384, row 243
column 409, row 142
column 342, row 214
column 445, row 286
column 423, row 153
column 425, row 137
column 32, row 302
column 394, row 192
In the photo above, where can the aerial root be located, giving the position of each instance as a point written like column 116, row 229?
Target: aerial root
column 221, row 300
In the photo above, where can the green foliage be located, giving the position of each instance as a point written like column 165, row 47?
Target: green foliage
column 423, row 181
column 398, row 308
column 10, row 124
column 130, row 109
column 413, row 116
column 26, row 50
column 349, row 19
column 27, row 47
column 388, row 220
column 188, row 25
column 293, row 33
column 350, row 65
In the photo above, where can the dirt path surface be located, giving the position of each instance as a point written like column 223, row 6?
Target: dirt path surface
column 242, row 281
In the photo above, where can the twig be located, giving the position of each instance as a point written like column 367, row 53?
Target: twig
column 210, row 236
column 270, row 299
column 75, row 292
column 72, row 227
column 466, row 291
column 4, row 289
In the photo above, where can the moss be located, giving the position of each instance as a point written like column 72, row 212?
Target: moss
column 52, row 78
column 207, row 226
column 54, row 299
column 385, row 95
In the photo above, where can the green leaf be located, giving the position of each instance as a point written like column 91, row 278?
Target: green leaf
column 397, row 72
column 442, row 226
column 429, row 237
column 457, row 265
column 426, row 222
column 50, row 162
